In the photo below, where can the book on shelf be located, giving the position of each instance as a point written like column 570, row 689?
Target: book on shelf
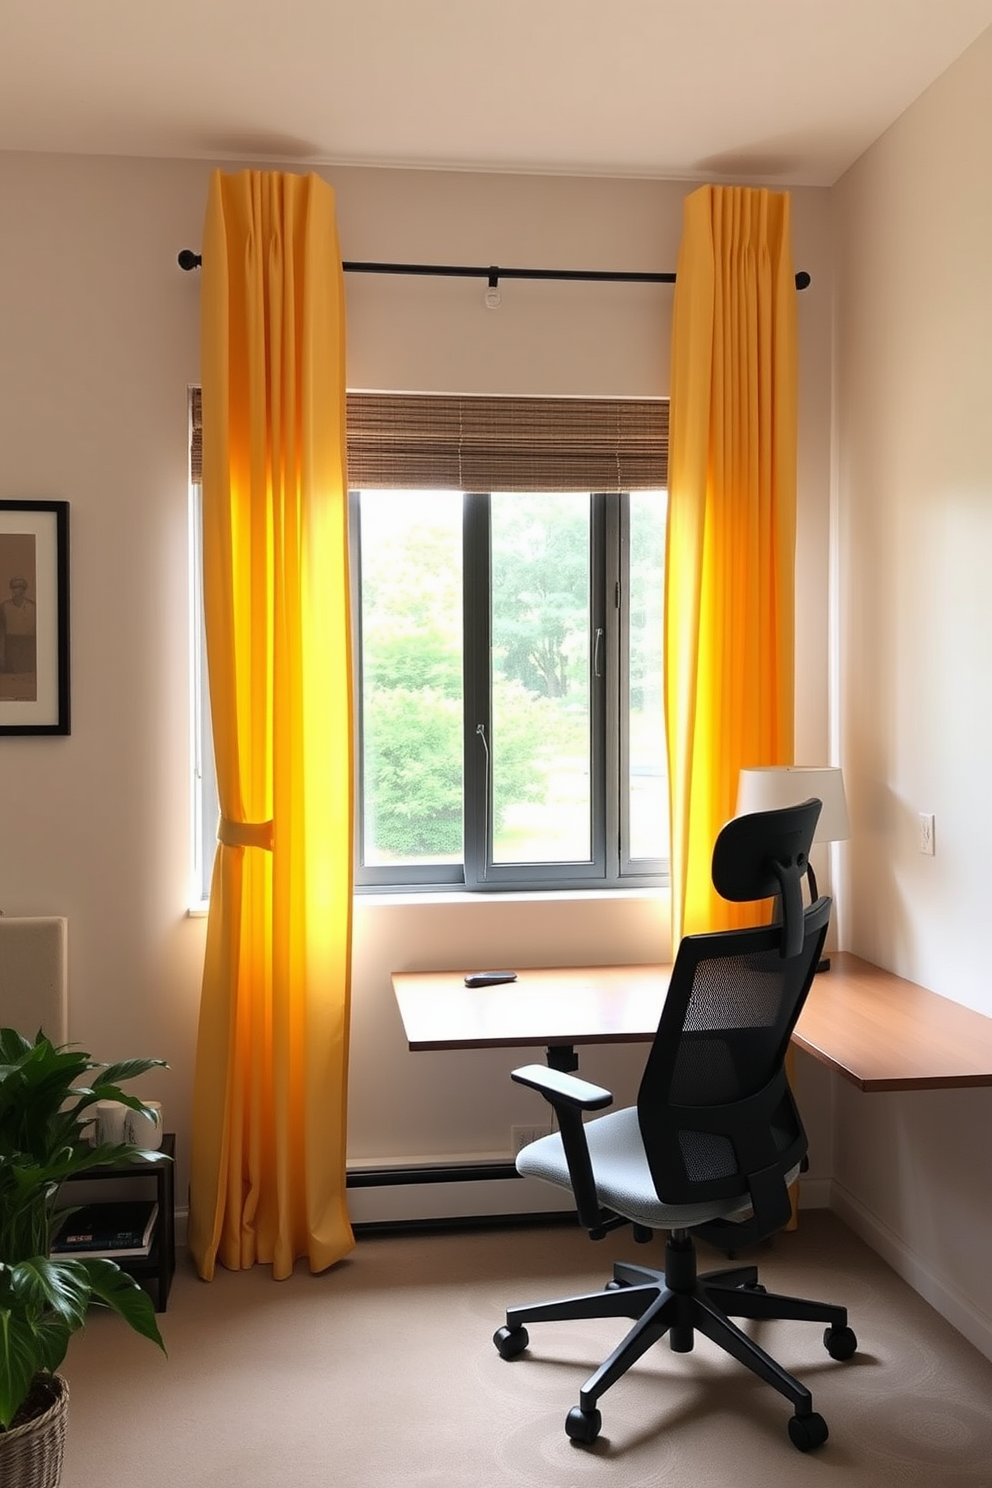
column 112, row 1229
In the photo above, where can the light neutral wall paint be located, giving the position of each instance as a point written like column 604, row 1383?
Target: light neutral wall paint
column 914, row 518
column 915, row 507
column 98, row 341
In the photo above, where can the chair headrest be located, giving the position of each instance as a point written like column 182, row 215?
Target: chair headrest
column 767, row 853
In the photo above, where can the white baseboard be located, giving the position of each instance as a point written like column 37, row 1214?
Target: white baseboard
column 941, row 1293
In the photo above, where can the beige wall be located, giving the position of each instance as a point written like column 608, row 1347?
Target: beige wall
column 914, row 526
column 98, row 340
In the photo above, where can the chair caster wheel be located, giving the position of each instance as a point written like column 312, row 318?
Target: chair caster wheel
column 840, row 1343
column 614, row 1286
column 583, row 1426
column 511, row 1341
column 754, row 1286
column 807, row 1432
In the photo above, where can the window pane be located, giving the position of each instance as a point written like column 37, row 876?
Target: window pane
column 648, row 763
column 411, row 670
column 206, row 808
column 540, row 678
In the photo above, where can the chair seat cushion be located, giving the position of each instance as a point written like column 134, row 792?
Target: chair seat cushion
column 623, row 1178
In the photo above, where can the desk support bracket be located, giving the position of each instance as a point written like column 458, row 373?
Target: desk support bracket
column 563, row 1057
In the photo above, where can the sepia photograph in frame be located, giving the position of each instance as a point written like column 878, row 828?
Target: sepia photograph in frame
column 34, row 617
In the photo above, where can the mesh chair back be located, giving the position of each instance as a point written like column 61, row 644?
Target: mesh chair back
column 716, row 1113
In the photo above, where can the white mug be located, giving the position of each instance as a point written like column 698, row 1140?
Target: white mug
column 110, row 1121
column 144, row 1131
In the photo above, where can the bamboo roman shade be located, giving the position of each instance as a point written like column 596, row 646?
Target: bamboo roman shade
column 425, row 442
column 428, row 442
column 195, row 436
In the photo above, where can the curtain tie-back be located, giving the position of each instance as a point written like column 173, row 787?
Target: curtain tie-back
column 245, row 834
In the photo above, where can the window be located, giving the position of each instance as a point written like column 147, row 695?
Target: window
column 508, row 600
column 508, row 561
column 204, row 801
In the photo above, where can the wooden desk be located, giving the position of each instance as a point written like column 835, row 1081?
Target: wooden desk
column 884, row 1033
column 878, row 1030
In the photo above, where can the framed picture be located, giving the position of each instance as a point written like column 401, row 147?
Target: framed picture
column 34, row 617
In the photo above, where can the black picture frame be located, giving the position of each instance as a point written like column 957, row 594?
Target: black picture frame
column 34, row 617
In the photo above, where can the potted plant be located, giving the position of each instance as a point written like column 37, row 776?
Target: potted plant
column 46, row 1095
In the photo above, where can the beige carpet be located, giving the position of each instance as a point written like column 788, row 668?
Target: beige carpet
column 381, row 1372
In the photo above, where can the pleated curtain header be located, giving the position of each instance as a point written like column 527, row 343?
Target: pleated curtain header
column 431, row 442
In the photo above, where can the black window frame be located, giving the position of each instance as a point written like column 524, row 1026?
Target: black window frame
column 610, row 865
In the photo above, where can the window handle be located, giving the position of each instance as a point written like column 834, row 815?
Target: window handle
column 480, row 729
column 597, row 652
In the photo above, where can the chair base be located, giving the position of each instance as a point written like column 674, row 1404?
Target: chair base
column 679, row 1303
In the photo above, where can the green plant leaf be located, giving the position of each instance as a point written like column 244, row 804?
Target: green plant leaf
column 18, row 1362
column 53, row 1286
column 129, row 1069
column 116, row 1289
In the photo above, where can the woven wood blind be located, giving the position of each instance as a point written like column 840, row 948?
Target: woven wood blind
column 195, row 436
column 424, row 442
column 506, row 444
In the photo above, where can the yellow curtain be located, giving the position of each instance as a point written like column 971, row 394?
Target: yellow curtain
column 270, row 1091
column 729, row 583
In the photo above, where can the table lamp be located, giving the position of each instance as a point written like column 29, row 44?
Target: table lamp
column 769, row 787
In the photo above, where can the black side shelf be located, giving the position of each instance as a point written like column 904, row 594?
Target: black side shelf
column 156, row 1270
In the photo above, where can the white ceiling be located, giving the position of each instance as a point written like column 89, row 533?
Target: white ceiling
column 786, row 92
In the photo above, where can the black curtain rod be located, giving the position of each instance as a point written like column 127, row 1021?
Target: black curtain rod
column 190, row 260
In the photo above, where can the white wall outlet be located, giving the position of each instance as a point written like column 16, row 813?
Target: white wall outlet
column 926, row 833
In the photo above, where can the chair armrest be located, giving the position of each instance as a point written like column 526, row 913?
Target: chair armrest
column 569, row 1097
column 557, row 1087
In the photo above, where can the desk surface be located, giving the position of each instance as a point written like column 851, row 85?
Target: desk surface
column 885, row 1033
column 551, row 1005
column 878, row 1030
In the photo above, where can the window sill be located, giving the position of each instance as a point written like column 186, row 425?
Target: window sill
column 376, row 898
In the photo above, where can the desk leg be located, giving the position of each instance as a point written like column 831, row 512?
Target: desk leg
column 563, row 1057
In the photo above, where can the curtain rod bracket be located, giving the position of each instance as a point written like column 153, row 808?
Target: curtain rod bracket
column 493, row 298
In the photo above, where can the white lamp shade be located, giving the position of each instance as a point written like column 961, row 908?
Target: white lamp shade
column 771, row 787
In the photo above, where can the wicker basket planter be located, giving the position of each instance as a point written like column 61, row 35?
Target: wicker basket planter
column 31, row 1455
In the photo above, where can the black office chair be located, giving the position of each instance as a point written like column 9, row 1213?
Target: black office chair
column 715, row 1131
